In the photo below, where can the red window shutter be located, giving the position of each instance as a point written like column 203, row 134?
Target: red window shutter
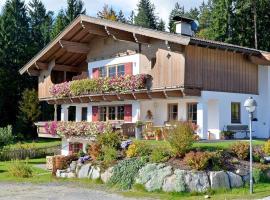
column 95, row 72
column 94, row 113
column 70, row 148
column 81, row 146
column 128, row 113
column 128, row 68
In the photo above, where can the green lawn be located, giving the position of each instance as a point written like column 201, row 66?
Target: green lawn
column 205, row 145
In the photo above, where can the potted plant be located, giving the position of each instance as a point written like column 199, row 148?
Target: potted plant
column 138, row 130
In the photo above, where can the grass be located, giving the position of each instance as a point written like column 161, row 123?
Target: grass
column 40, row 143
column 204, row 145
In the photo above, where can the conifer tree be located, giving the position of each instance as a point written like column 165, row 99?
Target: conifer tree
column 146, row 15
column 121, row 17
column 131, row 17
column 176, row 11
column 161, row 25
column 74, row 8
column 59, row 24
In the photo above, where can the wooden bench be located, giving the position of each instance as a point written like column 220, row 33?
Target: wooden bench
column 238, row 128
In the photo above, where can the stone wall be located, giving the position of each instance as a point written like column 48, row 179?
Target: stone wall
column 161, row 177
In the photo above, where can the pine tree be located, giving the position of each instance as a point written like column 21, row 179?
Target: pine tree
column 176, row 11
column 40, row 24
column 204, row 19
column 74, row 8
column 58, row 25
column 193, row 13
column 15, row 51
column 131, row 17
column 146, row 15
column 161, row 25
column 121, row 17
column 107, row 13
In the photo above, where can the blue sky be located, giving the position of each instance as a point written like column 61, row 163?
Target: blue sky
column 163, row 7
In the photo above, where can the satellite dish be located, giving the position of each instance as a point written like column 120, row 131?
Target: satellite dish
column 195, row 25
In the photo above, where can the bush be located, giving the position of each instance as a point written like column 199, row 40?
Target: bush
column 110, row 139
column 125, row 171
column 85, row 86
column 109, row 155
column 241, row 150
column 94, row 151
column 138, row 149
column 258, row 153
column 181, row 137
column 197, row 160
column 6, row 136
column 259, row 175
column 160, row 155
column 266, row 148
column 20, row 169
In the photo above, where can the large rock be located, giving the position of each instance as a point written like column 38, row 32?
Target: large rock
column 175, row 182
column 152, row 176
column 105, row 176
column 197, row 181
column 94, row 173
column 71, row 175
column 235, row 180
column 84, row 171
column 219, row 179
column 59, row 172
column 73, row 166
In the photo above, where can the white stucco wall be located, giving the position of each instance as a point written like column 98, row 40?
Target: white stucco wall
column 135, row 59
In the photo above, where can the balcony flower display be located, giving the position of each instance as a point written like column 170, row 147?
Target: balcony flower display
column 51, row 128
column 82, row 129
column 118, row 84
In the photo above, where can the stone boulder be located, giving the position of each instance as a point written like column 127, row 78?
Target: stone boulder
column 94, row 173
column 235, row 180
column 59, row 172
column 105, row 176
column 175, row 182
column 152, row 176
column 196, row 181
column 73, row 166
column 219, row 179
column 84, row 170
column 71, row 175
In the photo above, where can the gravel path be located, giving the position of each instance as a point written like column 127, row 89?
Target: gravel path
column 53, row 191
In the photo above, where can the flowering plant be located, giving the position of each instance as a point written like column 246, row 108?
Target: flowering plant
column 82, row 129
column 51, row 128
column 92, row 86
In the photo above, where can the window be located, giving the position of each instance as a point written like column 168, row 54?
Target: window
column 121, row 70
column 120, row 112
column 173, row 112
column 71, row 113
column 103, row 113
column 102, row 71
column 192, row 112
column 235, row 112
column 75, row 147
column 84, row 114
column 112, row 71
column 112, row 113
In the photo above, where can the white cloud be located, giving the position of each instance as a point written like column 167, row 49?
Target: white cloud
column 163, row 7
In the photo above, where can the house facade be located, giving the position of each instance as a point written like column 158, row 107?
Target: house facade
column 197, row 80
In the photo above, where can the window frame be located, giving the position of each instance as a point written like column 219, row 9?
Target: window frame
column 82, row 113
column 236, row 121
column 107, row 70
column 188, row 113
column 171, row 113
column 107, row 114
column 75, row 147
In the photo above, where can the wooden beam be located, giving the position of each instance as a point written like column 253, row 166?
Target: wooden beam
column 174, row 93
column 66, row 68
column 259, row 60
column 127, row 96
column 75, row 47
column 158, row 95
column 142, row 95
column 120, row 35
column 141, row 39
column 94, row 29
column 33, row 72
column 192, row 92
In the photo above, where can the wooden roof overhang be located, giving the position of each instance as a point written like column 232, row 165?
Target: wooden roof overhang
column 132, row 95
column 70, row 48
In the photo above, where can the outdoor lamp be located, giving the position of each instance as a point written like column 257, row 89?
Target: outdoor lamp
column 250, row 105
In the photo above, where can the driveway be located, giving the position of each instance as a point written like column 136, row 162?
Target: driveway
column 54, row 191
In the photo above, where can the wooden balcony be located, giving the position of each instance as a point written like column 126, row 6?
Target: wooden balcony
column 42, row 131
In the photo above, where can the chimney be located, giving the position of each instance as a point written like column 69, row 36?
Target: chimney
column 183, row 25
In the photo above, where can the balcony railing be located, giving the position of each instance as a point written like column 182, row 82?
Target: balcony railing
column 119, row 84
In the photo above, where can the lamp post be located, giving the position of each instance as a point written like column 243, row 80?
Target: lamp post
column 250, row 105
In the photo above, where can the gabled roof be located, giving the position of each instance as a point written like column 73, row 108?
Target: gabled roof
column 70, row 47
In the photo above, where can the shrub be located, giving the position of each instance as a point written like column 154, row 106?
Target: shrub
column 259, row 174
column 241, row 150
column 266, row 148
column 181, row 137
column 258, row 153
column 110, row 139
column 138, row 149
column 125, row 171
column 20, row 169
column 197, row 160
column 6, row 136
column 109, row 155
column 94, row 151
column 160, row 155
